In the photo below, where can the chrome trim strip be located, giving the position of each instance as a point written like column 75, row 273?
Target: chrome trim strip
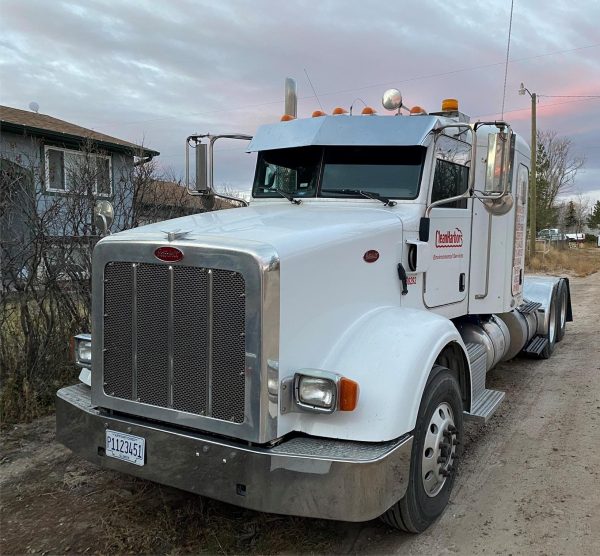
column 259, row 265
column 170, row 340
column 134, row 338
column 209, row 350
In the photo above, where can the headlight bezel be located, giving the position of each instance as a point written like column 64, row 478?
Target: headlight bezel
column 328, row 379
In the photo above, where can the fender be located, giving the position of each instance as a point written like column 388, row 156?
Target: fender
column 390, row 353
column 541, row 289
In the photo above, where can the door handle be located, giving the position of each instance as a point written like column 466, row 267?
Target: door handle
column 461, row 282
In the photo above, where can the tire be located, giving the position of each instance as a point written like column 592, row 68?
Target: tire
column 431, row 480
column 561, row 310
column 552, row 326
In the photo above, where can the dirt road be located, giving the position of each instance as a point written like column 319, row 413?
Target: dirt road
column 529, row 481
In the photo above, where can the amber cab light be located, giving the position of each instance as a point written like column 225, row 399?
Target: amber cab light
column 339, row 111
column 318, row 114
column 348, row 392
column 168, row 254
column 449, row 105
column 368, row 111
column 287, row 118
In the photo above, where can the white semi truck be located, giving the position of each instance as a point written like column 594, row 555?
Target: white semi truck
column 316, row 352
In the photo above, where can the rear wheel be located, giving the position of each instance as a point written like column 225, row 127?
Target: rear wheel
column 552, row 326
column 435, row 451
column 562, row 297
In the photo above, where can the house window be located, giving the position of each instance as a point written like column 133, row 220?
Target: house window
column 78, row 172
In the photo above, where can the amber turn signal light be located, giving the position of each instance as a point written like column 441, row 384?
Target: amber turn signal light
column 348, row 392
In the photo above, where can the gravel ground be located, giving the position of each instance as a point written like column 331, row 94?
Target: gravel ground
column 529, row 481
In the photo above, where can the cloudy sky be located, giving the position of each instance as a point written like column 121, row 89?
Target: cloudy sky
column 157, row 71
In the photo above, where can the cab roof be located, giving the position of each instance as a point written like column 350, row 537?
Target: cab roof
column 367, row 131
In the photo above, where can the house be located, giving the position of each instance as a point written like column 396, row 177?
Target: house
column 52, row 173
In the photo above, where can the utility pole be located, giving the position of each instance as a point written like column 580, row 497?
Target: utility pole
column 533, row 179
column 533, row 172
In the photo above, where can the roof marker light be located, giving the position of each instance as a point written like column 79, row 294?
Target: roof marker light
column 339, row 111
column 368, row 111
column 418, row 111
column 318, row 114
column 287, row 118
column 449, row 105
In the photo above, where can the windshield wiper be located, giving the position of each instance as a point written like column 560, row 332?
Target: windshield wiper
column 289, row 197
column 368, row 194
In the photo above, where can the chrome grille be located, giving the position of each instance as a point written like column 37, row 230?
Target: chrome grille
column 174, row 337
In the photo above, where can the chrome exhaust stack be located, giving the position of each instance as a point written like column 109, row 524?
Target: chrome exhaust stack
column 291, row 97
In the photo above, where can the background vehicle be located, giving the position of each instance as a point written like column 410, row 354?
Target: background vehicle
column 553, row 234
column 317, row 352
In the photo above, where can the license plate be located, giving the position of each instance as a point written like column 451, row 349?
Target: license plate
column 126, row 447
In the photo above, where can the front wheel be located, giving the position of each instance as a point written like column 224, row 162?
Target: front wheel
column 435, row 451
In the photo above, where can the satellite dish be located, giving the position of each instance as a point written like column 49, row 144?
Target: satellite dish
column 34, row 107
column 104, row 214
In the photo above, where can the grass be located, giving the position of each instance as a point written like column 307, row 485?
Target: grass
column 161, row 520
column 577, row 261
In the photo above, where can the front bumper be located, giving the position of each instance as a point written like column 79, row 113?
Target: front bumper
column 304, row 476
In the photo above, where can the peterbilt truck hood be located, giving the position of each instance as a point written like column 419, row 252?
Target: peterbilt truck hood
column 290, row 229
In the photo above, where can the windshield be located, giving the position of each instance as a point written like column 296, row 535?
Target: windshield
column 393, row 172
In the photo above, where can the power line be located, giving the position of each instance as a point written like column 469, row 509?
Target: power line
column 540, row 107
column 570, row 96
column 364, row 87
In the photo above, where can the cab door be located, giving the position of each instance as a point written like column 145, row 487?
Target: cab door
column 447, row 279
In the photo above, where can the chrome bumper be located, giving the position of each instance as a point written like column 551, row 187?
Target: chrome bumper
column 304, row 476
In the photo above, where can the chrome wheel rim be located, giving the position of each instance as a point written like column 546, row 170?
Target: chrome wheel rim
column 439, row 448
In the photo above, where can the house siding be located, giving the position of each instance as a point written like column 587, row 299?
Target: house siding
column 25, row 154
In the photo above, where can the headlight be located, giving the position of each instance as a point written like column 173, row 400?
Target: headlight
column 316, row 393
column 83, row 350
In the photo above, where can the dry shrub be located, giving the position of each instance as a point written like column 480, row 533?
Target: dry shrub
column 46, row 243
column 575, row 261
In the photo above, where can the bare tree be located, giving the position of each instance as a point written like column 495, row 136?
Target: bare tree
column 557, row 168
column 46, row 246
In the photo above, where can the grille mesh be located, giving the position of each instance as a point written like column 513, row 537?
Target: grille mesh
column 190, row 367
column 228, row 346
column 168, row 315
column 118, row 286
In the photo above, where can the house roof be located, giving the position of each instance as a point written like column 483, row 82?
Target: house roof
column 24, row 121
column 162, row 194
column 168, row 194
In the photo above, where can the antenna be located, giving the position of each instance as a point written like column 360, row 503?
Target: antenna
column 315, row 92
column 507, row 54
column 34, row 107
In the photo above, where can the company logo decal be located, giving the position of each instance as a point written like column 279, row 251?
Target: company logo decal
column 371, row 256
column 449, row 239
column 168, row 254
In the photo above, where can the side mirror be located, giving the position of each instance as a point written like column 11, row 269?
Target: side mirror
column 104, row 214
column 202, row 168
column 498, row 167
